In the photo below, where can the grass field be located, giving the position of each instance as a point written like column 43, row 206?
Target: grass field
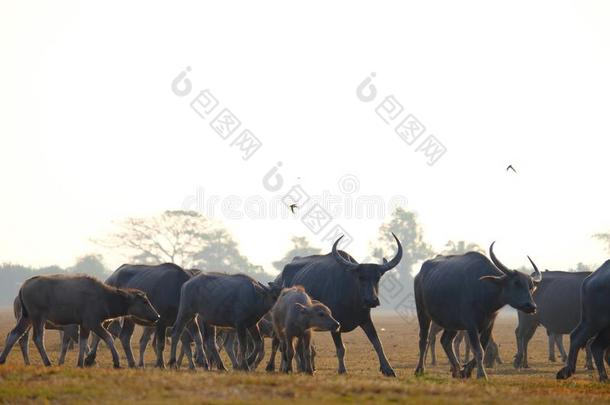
column 363, row 384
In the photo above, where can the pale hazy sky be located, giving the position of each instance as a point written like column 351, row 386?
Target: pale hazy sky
column 91, row 131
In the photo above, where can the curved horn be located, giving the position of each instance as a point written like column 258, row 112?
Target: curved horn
column 497, row 262
column 537, row 275
column 394, row 262
column 340, row 259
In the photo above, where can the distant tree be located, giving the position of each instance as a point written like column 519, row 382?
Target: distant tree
column 173, row 236
column 605, row 239
column 220, row 253
column 13, row 275
column 300, row 247
column 91, row 264
column 461, row 247
column 404, row 224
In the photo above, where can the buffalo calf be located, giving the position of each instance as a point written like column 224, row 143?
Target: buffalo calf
column 294, row 316
column 74, row 300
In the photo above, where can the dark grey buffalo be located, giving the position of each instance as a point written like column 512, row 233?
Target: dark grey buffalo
column 162, row 284
column 466, row 292
column 229, row 301
column 557, row 297
column 594, row 322
column 68, row 335
column 75, row 300
column 348, row 288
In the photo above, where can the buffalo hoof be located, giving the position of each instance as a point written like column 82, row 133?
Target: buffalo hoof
column 172, row 364
column 589, row 367
column 89, row 361
column 419, row 371
column 387, row 371
column 564, row 373
column 270, row 368
column 116, row 366
column 342, row 370
column 552, row 359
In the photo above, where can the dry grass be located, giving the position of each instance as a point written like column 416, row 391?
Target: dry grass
column 364, row 384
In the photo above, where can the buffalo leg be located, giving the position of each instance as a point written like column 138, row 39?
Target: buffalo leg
column 229, row 346
column 24, row 345
column 478, row 352
column 457, row 342
column 185, row 316
column 275, row 342
column 90, row 359
column 340, row 348
column 526, row 334
column 578, row 339
column 22, row 327
column 447, row 342
column 242, row 338
column 160, row 331
column 125, row 338
column 371, row 333
column 107, row 338
column 598, row 349
column 551, row 340
column 212, row 348
column 65, row 343
column 431, row 347
column 306, row 350
column 588, row 356
column 424, row 330
column 82, row 346
column 194, row 335
column 259, row 350
column 562, row 350
column 288, row 353
column 144, row 339
column 38, row 335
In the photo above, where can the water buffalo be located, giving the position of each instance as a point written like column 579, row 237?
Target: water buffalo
column 75, row 300
column 348, row 288
column 294, row 316
column 594, row 322
column 225, row 300
column 557, row 297
column 466, row 292
column 162, row 284
column 68, row 335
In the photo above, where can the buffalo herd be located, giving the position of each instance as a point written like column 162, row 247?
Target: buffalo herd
column 458, row 296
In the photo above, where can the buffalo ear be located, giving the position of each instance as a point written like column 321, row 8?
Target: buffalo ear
column 300, row 307
column 494, row 279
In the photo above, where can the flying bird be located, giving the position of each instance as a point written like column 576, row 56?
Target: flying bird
column 292, row 207
column 510, row 167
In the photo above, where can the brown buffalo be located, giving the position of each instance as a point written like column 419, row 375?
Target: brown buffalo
column 75, row 300
column 294, row 316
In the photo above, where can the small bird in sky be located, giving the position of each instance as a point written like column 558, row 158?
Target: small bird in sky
column 292, row 207
column 510, row 167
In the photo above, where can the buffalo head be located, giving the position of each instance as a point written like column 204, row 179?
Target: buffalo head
column 368, row 274
column 516, row 287
column 141, row 308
